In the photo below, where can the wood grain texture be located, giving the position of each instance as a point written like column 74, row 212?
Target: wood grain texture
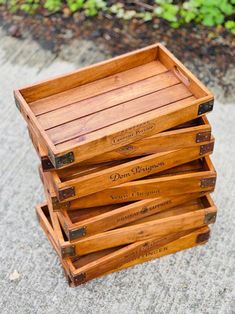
column 184, row 242
column 143, row 230
column 111, row 104
column 102, row 179
column 82, row 269
column 157, row 226
column 187, row 177
column 112, row 217
column 105, row 93
column 193, row 132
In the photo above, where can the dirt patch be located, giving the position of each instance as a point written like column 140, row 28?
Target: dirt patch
column 208, row 52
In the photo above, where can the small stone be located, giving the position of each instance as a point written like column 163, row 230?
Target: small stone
column 68, row 34
column 66, row 12
column 14, row 31
column 14, row 276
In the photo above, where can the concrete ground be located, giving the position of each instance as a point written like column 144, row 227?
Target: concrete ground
column 200, row 280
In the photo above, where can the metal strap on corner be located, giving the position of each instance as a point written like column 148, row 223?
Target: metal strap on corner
column 46, row 163
column 203, row 137
column 66, row 193
column 207, row 148
column 68, row 251
column 207, row 182
column 206, row 107
column 210, row 218
column 74, row 234
column 80, row 278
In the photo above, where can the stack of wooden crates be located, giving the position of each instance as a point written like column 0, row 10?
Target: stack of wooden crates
column 124, row 147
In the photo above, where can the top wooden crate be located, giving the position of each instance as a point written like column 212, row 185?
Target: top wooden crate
column 111, row 104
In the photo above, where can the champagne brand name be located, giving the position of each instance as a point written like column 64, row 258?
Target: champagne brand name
column 135, row 171
column 136, row 131
column 146, row 250
column 143, row 211
column 135, row 195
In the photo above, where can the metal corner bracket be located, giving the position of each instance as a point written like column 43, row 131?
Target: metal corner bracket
column 66, row 193
column 68, row 251
column 206, row 107
column 74, row 234
column 207, row 148
column 203, row 137
column 57, row 205
column 210, row 218
column 46, row 163
column 80, row 278
column 208, row 182
column 60, row 161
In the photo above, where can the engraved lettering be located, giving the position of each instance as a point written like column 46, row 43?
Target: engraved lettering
column 136, row 195
column 136, row 170
column 126, row 149
column 136, row 131
column 117, row 176
column 145, row 251
column 142, row 211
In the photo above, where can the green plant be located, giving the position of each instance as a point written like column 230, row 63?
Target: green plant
column 209, row 13
column 206, row 12
column 93, row 6
column 53, row 5
column 30, row 6
column 75, row 5
column 167, row 10
column 230, row 25
column 11, row 4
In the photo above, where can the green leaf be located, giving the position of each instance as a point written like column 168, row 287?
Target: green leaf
column 208, row 21
column 226, row 8
column 230, row 24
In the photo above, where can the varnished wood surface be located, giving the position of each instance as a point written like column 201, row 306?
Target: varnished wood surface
column 187, row 177
column 189, row 240
column 100, row 177
column 157, row 225
column 111, row 217
column 85, row 268
column 124, row 100
column 194, row 132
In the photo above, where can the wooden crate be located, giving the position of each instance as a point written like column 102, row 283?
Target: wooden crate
column 111, row 104
column 79, row 181
column 78, row 273
column 180, row 218
column 191, row 133
column 79, row 270
column 196, row 176
column 80, row 223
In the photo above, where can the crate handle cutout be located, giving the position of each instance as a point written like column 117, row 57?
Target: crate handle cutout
column 181, row 76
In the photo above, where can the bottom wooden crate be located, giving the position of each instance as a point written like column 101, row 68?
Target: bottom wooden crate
column 195, row 237
column 79, row 270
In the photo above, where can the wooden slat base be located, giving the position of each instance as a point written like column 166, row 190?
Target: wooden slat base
column 103, row 107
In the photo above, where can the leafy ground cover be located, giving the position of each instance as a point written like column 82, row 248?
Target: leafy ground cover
column 177, row 13
column 207, row 50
